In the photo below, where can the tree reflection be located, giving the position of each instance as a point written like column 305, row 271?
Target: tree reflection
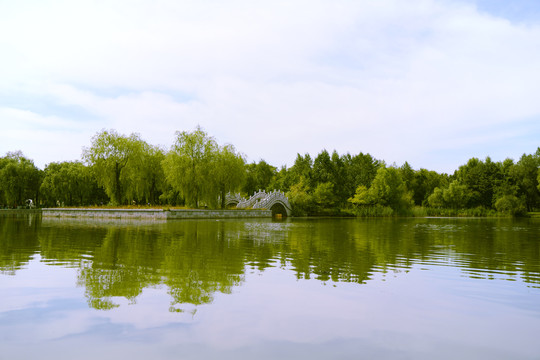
column 195, row 260
column 18, row 241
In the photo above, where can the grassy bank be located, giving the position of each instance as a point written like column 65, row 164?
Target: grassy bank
column 420, row 211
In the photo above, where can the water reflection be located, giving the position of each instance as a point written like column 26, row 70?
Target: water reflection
column 18, row 242
column 195, row 260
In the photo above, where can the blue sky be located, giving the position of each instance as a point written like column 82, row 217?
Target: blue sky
column 431, row 82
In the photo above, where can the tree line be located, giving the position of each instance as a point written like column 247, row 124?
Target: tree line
column 198, row 172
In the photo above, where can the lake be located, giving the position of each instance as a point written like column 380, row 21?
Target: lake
column 264, row 289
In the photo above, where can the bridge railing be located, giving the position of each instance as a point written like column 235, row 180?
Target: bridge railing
column 233, row 198
column 253, row 199
column 260, row 200
column 271, row 199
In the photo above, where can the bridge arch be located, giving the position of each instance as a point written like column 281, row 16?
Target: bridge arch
column 279, row 209
column 232, row 200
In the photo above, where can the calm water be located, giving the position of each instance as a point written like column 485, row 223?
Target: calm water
column 261, row 289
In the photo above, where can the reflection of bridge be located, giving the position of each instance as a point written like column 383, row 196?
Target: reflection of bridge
column 274, row 200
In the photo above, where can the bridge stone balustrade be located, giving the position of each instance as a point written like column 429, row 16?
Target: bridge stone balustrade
column 274, row 200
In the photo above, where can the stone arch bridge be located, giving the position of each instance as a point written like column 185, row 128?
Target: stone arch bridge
column 274, row 200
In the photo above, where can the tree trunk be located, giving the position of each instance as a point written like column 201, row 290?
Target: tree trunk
column 222, row 198
column 117, row 184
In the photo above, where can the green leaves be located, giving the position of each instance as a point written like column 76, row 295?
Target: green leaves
column 200, row 170
column 361, row 197
column 197, row 171
column 387, row 190
column 126, row 167
column 228, row 171
column 68, row 184
column 20, row 180
column 187, row 165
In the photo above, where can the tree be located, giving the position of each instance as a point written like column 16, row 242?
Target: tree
column 322, row 168
column 324, row 196
column 281, row 180
column 258, row 177
column 339, row 179
column 228, row 171
column 525, row 174
column 436, row 199
column 481, row 178
column 388, row 189
column 424, row 183
column 110, row 155
column 188, row 164
column 360, row 169
column 510, row 205
column 300, row 198
column 145, row 174
column 70, row 183
column 302, row 168
column 456, row 195
column 361, row 196
column 20, row 179
column 407, row 174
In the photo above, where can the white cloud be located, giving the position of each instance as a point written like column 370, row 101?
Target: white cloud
column 43, row 139
column 401, row 80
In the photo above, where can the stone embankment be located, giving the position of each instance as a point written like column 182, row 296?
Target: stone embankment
column 19, row 211
column 154, row 214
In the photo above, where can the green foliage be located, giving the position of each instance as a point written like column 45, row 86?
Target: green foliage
column 374, row 211
column 424, row 183
column 360, row 169
column 436, row 199
column 145, row 174
column 20, row 180
column 361, row 197
column 300, row 198
column 228, row 171
column 258, row 177
column 197, row 171
column 68, row 184
column 456, row 196
column 467, row 212
column 388, row 189
column 188, row 166
column 200, row 171
column 407, row 175
column 510, row 205
column 525, row 176
column 302, row 168
column 324, row 197
column 480, row 187
column 281, row 180
column 116, row 160
column 323, row 169
column 481, row 179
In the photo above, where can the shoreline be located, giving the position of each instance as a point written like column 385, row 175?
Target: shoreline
column 161, row 214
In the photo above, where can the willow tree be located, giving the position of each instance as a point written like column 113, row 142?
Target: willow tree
column 145, row 173
column 20, row 179
column 68, row 182
column 188, row 166
column 228, row 171
column 109, row 156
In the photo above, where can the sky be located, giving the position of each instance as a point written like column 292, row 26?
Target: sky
column 430, row 82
